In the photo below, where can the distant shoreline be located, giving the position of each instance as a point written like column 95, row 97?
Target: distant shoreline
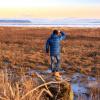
column 30, row 25
column 44, row 22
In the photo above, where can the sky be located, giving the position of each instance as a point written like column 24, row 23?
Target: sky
column 50, row 8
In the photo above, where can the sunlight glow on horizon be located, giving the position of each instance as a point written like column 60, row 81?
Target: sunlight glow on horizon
column 49, row 8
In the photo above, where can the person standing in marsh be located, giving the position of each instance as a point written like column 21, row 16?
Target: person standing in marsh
column 53, row 45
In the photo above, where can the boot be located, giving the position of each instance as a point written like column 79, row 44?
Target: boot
column 57, row 76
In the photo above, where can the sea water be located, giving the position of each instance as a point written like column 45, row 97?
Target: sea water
column 66, row 22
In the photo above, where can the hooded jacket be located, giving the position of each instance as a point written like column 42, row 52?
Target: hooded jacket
column 53, row 44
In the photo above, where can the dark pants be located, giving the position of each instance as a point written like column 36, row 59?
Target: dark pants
column 55, row 63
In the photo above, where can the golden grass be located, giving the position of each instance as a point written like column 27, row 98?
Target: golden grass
column 23, row 48
column 29, row 89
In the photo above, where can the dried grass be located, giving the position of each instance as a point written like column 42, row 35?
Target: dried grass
column 15, row 91
column 22, row 49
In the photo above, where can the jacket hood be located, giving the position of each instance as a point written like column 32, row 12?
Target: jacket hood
column 53, row 35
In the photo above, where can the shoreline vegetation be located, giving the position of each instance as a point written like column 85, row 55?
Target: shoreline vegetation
column 22, row 54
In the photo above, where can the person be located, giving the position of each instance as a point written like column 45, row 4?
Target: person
column 53, row 45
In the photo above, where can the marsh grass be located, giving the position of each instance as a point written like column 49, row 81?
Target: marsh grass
column 23, row 48
column 26, row 88
column 14, row 90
